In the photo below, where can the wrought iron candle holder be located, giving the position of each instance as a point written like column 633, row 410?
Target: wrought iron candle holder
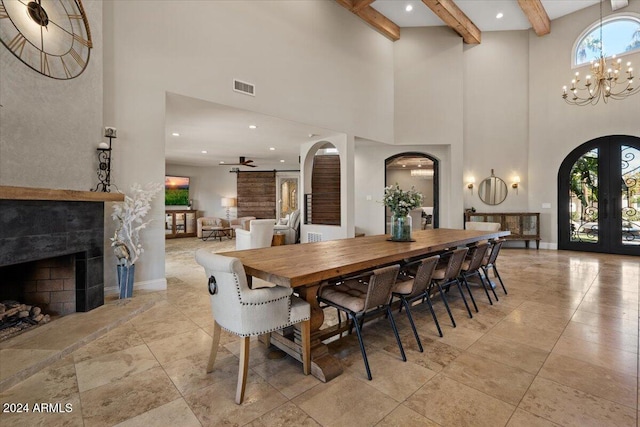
column 104, row 161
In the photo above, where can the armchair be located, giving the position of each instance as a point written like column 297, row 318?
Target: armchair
column 290, row 229
column 259, row 235
column 241, row 223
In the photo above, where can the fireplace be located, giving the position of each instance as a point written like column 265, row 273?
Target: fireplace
column 39, row 227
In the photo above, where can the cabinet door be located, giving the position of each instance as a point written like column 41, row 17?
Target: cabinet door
column 512, row 223
column 168, row 224
column 530, row 225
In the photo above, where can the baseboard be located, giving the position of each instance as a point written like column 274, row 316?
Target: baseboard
column 147, row 285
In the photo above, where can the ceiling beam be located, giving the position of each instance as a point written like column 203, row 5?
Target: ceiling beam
column 381, row 23
column 537, row 16
column 451, row 15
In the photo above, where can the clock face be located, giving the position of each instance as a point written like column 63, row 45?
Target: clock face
column 50, row 36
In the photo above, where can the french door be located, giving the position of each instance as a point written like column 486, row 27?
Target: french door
column 599, row 197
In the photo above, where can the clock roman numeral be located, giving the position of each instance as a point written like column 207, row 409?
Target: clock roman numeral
column 44, row 64
column 3, row 12
column 65, row 68
column 81, row 40
column 17, row 44
column 78, row 58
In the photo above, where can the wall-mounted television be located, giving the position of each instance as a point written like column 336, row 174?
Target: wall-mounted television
column 176, row 190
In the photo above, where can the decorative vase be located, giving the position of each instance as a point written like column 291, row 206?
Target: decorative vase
column 125, row 280
column 400, row 228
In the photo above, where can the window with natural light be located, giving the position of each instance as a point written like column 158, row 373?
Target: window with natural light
column 620, row 35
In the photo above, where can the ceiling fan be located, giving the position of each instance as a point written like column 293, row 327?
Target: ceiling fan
column 243, row 162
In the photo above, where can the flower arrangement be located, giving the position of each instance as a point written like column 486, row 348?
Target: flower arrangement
column 400, row 202
column 126, row 241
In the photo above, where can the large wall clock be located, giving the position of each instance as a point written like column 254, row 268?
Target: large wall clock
column 50, row 36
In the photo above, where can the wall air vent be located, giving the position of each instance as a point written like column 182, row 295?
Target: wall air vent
column 244, row 87
column 314, row 237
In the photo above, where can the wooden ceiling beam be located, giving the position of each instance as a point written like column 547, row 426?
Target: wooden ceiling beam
column 537, row 16
column 451, row 15
column 381, row 23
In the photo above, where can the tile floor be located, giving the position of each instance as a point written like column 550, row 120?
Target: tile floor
column 560, row 349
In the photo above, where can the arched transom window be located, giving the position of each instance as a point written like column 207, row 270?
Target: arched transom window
column 620, row 35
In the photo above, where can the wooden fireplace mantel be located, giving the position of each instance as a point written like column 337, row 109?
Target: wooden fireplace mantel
column 30, row 193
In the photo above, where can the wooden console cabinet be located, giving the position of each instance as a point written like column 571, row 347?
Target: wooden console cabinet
column 180, row 223
column 522, row 225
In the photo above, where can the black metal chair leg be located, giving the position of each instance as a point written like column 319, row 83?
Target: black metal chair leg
column 355, row 322
column 495, row 270
column 433, row 313
column 446, row 304
column 463, row 298
column 486, row 276
column 473, row 300
column 484, row 286
column 413, row 325
column 395, row 332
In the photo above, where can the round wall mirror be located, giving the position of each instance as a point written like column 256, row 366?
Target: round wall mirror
column 492, row 190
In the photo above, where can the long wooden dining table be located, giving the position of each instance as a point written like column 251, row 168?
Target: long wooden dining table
column 306, row 266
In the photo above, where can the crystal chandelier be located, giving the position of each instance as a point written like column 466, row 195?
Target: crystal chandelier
column 604, row 82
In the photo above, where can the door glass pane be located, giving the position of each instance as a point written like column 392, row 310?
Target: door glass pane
column 583, row 198
column 630, row 195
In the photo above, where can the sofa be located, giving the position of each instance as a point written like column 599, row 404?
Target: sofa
column 241, row 223
column 290, row 227
column 210, row 221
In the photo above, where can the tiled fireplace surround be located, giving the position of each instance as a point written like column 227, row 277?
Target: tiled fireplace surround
column 45, row 240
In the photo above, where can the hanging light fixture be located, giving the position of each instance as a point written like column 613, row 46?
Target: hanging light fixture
column 604, row 82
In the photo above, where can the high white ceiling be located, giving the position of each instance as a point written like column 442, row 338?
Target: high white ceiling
column 224, row 131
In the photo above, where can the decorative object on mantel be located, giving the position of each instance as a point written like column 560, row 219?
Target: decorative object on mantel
column 104, row 159
column 52, row 38
column 603, row 82
column 126, row 241
column 400, row 203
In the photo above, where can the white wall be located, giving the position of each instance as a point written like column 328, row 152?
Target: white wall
column 556, row 128
column 312, row 62
column 50, row 129
column 207, row 187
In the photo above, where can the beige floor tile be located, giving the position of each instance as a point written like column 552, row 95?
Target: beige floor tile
column 600, row 355
column 165, row 328
column 522, row 418
column 592, row 379
column 563, row 313
column 448, row 402
column 176, row 413
column 134, row 395
column 405, row 417
column 286, row 376
column 604, row 321
column 435, row 357
column 112, row 367
column 283, row 416
column 568, row 406
column 493, row 378
column 511, row 353
column 460, row 337
column 603, row 336
column 190, row 373
column 392, row 376
column 215, row 405
column 121, row 338
column 610, row 310
column 335, row 403
column 537, row 319
column 13, row 362
column 57, row 383
column 66, row 412
column 180, row 346
column 525, row 334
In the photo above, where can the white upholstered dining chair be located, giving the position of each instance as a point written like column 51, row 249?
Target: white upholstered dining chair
column 482, row 226
column 249, row 312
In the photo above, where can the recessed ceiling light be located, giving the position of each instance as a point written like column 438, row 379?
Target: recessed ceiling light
column 222, row 163
column 175, row 134
column 499, row 15
column 204, row 151
column 404, row 166
column 282, row 161
column 419, row 166
column 409, row 8
column 272, row 148
column 253, row 127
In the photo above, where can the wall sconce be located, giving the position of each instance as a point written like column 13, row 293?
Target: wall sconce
column 228, row 202
column 104, row 161
column 472, row 180
column 516, row 183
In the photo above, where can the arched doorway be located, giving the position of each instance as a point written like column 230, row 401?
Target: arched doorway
column 421, row 171
column 599, row 196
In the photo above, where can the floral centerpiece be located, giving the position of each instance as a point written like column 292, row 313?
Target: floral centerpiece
column 126, row 241
column 401, row 202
